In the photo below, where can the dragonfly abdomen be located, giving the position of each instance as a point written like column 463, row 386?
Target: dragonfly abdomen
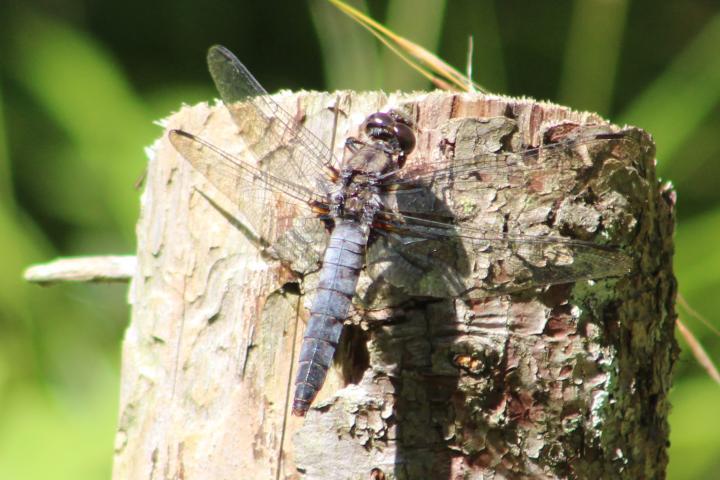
column 342, row 262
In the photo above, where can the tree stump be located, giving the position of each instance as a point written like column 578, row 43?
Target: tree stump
column 567, row 381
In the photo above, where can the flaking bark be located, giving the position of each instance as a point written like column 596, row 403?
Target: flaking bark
column 569, row 381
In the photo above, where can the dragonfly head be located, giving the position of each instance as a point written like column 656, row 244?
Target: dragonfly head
column 392, row 128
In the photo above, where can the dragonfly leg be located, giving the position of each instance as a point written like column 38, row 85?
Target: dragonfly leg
column 354, row 144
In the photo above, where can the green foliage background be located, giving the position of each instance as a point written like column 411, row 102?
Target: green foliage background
column 81, row 82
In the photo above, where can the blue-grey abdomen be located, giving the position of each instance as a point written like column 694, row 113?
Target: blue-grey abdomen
column 338, row 279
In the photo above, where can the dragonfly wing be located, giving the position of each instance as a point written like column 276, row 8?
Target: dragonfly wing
column 302, row 246
column 271, row 132
column 268, row 203
column 430, row 258
column 451, row 224
column 463, row 162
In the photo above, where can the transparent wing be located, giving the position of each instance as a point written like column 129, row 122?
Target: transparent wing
column 270, row 131
column 426, row 257
column 437, row 227
column 567, row 157
column 268, row 203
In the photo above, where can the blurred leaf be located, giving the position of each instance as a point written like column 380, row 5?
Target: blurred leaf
column 694, row 255
column 680, row 100
column 694, row 438
column 419, row 20
column 54, row 342
column 698, row 277
column 349, row 53
column 597, row 26
column 7, row 196
column 27, row 246
column 482, row 25
column 68, row 441
column 86, row 94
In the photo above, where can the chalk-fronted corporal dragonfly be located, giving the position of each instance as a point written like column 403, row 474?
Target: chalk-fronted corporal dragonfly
column 379, row 214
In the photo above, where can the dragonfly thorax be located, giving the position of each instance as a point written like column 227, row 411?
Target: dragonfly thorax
column 373, row 158
column 357, row 196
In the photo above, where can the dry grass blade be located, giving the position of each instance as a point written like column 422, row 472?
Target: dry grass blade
column 693, row 313
column 699, row 352
column 449, row 78
column 695, row 346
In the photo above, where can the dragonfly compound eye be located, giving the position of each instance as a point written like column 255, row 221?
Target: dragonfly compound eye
column 405, row 137
column 378, row 120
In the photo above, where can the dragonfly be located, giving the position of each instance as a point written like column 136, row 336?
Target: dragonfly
column 378, row 212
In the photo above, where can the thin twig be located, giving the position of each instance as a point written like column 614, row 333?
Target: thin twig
column 106, row 268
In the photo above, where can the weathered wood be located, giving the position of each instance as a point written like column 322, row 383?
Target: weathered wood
column 569, row 381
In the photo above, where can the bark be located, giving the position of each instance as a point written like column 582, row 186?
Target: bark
column 568, row 381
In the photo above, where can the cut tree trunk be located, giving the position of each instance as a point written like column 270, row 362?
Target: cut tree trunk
column 567, row 381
